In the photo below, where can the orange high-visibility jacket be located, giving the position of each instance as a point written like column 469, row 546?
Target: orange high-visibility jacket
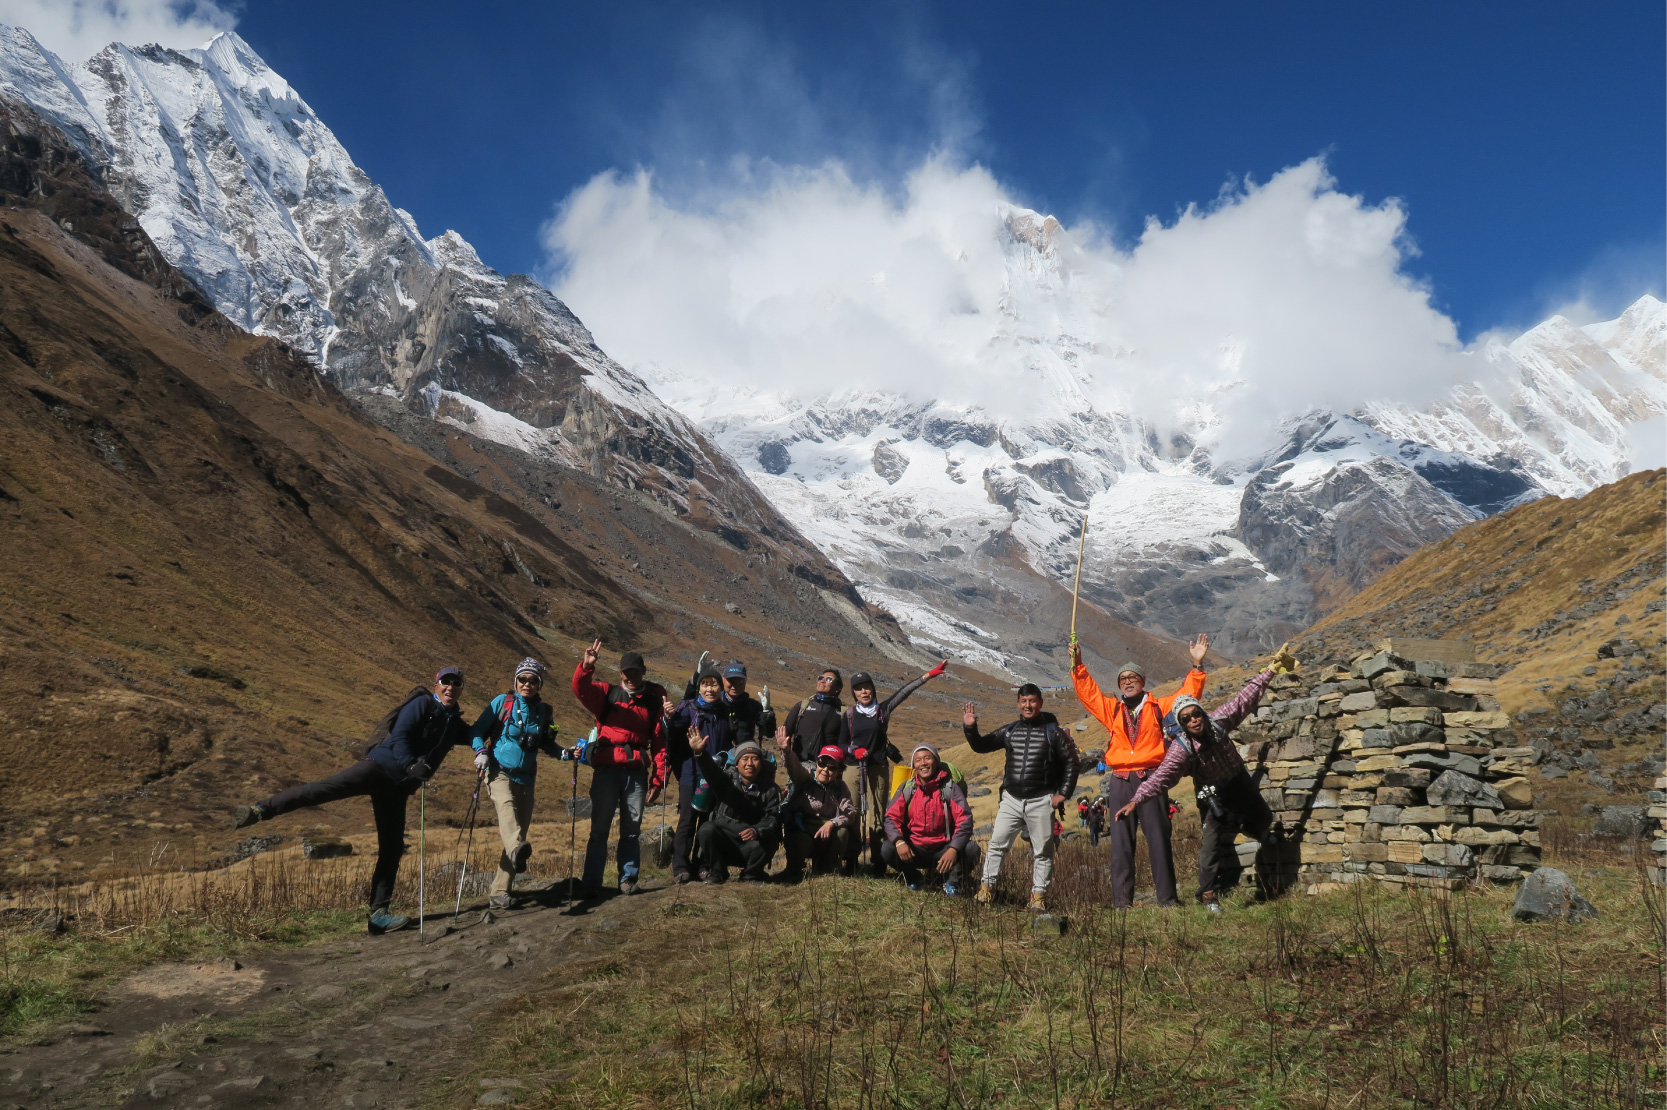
column 1135, row 745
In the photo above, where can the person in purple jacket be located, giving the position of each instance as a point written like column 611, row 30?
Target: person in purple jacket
column 1228, row 800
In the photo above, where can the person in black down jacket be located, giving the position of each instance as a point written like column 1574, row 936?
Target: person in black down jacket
column 1041, row 773
column 745, row 826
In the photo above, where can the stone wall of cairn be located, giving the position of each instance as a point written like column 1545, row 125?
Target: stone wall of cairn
column 1657, row 813
column 1397, row 769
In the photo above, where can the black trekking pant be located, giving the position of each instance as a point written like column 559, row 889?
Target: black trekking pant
column 825, row 853
column 1242, row 810
column 387, row 805
column 1153, row 819
column 924, row 866
column 687, row 817
column 720, row 848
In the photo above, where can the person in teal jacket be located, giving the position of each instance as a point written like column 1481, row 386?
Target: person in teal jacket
column 510, row 733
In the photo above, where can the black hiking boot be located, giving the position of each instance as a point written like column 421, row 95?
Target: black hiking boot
column 244, row 816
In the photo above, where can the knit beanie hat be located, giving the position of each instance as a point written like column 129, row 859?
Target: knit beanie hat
column 1131, row 667
column 529, row 665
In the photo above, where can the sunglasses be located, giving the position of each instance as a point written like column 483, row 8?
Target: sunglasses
column 827, row 764
column 1193, row 716
column 451, row 680
column 528, row 680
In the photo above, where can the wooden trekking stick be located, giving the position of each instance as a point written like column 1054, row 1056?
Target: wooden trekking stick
column 1076, row 589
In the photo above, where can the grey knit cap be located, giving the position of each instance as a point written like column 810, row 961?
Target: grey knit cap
column 1131, row 667
column 742, row 749
column 529, row 665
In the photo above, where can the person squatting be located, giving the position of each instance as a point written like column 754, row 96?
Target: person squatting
column 841, row 796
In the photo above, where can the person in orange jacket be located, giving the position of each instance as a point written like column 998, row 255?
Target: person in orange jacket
column 1135, row 720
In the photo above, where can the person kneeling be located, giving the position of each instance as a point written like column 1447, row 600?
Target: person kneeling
column 929, row 826
column 745, row 826
column 819, row 811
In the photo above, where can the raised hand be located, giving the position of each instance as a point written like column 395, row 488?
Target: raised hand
column 969, row 715
column 938, row 670
column 1076, row 654
column 592, row 652
column 1284, row 661
column 1200, row 648
column 697, row 742
column 781, row 738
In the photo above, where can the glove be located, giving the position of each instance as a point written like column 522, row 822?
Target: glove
column 481, row 760
column 893, row 754
column 419, row 770
column 764, row 698
column 860, row 754
column 938, row 670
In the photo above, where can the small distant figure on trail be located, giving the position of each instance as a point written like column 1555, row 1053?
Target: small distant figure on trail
column 1040, row 774
column 864, row 736
column 706, row 712
column 507, row 737
column 1228, row 800
column 820, row 817
column 627, row 761
column 1135, row 720
column 406, row 749
column 929, row 826
column 745, row 826
column 1092, row 815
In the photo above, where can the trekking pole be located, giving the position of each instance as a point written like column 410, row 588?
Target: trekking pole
column 572, row 833
column 422, row 835
column 1076, row 589
column 463, row 872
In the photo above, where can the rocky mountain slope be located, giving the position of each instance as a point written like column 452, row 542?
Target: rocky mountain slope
column 1567, row 593
column 932, row 506
column 960, row 520
column 218, row 570
column 244, row 189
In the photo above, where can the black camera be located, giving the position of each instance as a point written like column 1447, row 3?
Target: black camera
column 1207, row 799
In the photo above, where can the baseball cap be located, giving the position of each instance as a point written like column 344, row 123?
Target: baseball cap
column 833, row 752
column 445, row 672
column 736, row 669
column 632, row 661
column 862, row 678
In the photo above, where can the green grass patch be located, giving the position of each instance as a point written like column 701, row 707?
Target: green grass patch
column 853, row 993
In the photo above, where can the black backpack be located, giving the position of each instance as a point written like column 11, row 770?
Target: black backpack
column 385, row 726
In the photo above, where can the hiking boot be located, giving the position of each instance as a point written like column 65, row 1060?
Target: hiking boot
column 1036, row 904
column 791, row 875
column 381, row 921
column 499, row 902
column 986, row 894
column 951, row 889
column 518, row 859
column 244, row 816
column 715, row 877
column 628, row 886
column 1211, row 901
column 682, row 878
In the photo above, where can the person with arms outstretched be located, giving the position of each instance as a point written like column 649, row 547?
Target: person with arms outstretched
column 1135, row 720
column 1228, row 800
column 865, row 736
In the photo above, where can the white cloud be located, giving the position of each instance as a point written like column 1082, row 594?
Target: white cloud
column 77, row 29
column 1274, row 299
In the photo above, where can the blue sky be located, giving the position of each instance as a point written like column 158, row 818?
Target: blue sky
column 1522, row 142
column 1525, row 139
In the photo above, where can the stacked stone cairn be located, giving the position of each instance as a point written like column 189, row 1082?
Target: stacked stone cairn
column 1399, row 768
column 1657, row 814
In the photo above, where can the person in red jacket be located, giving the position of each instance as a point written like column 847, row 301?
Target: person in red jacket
column 1135, row 720
column 627, row 760
column 929, row 825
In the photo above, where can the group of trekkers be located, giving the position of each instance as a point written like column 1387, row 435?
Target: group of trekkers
column 841, row 800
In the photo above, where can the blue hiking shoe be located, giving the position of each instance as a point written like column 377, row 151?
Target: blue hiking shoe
column 951, row 889
column 914, row 886
column 381, row 921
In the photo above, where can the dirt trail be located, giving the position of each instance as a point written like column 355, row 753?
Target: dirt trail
column 371, row 1021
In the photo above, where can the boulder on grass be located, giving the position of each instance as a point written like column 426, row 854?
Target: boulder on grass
column 1549, row 895
column 1627, row 822
column 325, row 847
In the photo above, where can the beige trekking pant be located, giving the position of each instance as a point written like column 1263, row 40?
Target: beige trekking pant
column 515, row 813
column 1035, row 816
